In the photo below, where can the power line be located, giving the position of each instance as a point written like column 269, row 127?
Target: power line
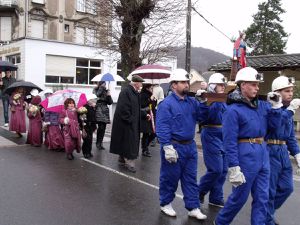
column 212, row 24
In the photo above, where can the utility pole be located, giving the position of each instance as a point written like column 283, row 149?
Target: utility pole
column 188, row 38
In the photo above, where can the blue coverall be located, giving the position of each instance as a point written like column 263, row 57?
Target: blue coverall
column 175, row 122
column 281, row 176
column 241, row 121
column 213, row 154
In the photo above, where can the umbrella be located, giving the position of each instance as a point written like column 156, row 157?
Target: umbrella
column 55, row 102
column 152, row 73
column 7, row 66
column 28, row 86
column 107, row 77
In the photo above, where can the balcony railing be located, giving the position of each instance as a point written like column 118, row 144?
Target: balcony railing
column 9, row 3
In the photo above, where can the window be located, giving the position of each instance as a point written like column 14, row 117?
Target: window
column 86, row 6
column 86, row 70
column 86, row 36
column 81, row 5
column 37, row 28
column 5, row 32
column 55, row 73
column 67, row 28
column 75, row 70
column 14, row 59
column 38, row 1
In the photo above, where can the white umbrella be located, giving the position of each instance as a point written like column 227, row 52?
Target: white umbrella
column 107, row 77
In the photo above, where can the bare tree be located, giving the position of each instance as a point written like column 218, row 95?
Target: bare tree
column 139, row 29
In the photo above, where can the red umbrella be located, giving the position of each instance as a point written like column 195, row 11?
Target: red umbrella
column 152, row 72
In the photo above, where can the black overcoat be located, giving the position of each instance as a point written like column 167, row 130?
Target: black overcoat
column 125, row 134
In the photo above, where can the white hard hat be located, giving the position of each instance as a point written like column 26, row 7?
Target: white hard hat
column 179, row 75
column 90, row 97
column 248, row 74
column 282, row 82
column 34, row 92
column 217, row 78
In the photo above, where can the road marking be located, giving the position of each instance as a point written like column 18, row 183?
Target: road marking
column 127, row 176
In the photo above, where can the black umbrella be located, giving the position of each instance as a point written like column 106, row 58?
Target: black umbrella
column 7, row 66
column 28, row 86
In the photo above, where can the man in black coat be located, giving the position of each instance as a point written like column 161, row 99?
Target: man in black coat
column 125, row 134
column 6, row 82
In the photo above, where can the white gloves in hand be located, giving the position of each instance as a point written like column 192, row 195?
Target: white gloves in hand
column 294, row 104
column 170, row 153
column 199, row 95
column 275, row 99
column 297, row 157
column 66, row 120
column 236, row 177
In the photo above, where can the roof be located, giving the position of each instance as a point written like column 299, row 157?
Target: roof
column 264, row 63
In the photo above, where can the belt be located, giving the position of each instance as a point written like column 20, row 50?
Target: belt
column 258, row 140
column 184, row 142
column 276, row 142
column 213, row 125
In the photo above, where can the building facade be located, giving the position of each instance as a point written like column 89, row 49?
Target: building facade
column 55, row 43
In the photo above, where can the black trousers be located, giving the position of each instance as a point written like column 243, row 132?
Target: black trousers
column 146, row 140
column 100, row 133
column 87, row 141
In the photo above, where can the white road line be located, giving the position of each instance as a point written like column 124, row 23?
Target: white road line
column 127, row 176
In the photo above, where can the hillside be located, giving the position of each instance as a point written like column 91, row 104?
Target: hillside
column 201, row 58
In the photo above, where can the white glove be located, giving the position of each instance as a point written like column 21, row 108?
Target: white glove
column 275, row 99
column 297, row 157
column 199, row 95
column 170, row 153
column 294, row 104
column 66, row 120
column 236, row 177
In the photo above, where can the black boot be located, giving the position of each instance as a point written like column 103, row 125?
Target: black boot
column 146, row 153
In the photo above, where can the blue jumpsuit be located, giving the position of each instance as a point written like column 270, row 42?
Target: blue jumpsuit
column 213, row 154
column 241, row 121
column 281, row 176
column 175, row 122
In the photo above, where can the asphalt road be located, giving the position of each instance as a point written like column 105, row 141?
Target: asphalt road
column 41, row 187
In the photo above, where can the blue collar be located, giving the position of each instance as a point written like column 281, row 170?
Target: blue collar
column 178, row 98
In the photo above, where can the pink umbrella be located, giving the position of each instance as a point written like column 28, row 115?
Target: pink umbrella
column 151, row 72
column 55, row 102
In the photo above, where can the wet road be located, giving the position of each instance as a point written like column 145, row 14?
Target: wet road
column 41, row 187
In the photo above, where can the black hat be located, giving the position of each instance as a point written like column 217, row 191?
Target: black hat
column 137, row 78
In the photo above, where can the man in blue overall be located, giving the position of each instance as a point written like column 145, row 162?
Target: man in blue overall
column 212, row 144
column 245, row 124
column 282, row 141
column 177, row 116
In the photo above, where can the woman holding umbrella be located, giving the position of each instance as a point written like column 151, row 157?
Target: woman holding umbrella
column 102, row 111
column 17, row 107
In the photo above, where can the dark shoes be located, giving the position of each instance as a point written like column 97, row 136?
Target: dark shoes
column 146, row 153
column 121, row 160
column 100, row 147
column 70, row 156
column 87, row 156
column 217, row 204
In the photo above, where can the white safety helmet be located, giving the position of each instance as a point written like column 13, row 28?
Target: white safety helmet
column 91, row 97
column 34, row 92
column 217, row 78
column 179, row 75
column 282, row 82
column 248, row 74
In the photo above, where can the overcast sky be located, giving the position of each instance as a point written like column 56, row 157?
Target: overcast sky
column 230, row 16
